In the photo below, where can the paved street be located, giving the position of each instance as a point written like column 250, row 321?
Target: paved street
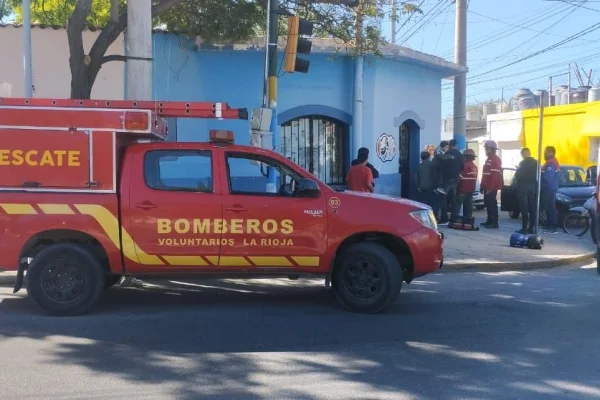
column 509, row 335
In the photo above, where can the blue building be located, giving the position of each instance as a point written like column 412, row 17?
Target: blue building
column 319, row 128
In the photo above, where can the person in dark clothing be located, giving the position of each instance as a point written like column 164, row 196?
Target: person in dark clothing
column 525, row 181
column 549, row 184
column 438, row 160
column 452, row 163
column 425, row 179
column 365, row 152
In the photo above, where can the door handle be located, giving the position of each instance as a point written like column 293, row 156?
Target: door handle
column 146, row 205
column 236, row 208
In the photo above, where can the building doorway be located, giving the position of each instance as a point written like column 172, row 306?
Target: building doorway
column 319, row 145
column 408, row 157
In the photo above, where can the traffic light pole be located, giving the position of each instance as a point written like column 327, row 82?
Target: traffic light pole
column 273, row 36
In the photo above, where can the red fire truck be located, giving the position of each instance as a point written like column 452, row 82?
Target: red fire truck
column 91, row 192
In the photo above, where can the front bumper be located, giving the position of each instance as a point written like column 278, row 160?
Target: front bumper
column 427, row 249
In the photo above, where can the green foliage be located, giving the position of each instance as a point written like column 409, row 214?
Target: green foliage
column 57, row 12
column 236, row 20
column 5, row 8
column 215, row 20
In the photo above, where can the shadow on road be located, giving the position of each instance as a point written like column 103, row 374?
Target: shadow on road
column 485, row 336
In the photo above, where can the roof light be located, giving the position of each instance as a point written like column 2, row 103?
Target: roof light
column 221, row 136
column 136, row 121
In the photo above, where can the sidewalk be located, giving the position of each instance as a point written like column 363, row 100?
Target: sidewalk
column 489, row 249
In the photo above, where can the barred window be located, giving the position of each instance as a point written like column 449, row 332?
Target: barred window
column 318, row 144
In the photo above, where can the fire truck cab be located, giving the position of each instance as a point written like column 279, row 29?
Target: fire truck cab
column 91, row 192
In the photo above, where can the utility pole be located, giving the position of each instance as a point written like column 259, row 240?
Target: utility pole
column 27, row 69
column 139, row 50
column 394, row 16
column 265, row 102
column 539, row 170
column 272, row 40
column 460, row 80
column 357, row 117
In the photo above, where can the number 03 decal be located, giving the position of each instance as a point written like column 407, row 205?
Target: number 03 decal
column 334, row 202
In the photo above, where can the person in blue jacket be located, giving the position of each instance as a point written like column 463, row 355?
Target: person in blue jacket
column 549, row 183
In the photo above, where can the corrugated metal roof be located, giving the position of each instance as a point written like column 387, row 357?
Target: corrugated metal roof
column 320, row 45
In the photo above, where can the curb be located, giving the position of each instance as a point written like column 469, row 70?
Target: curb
column 521, row 266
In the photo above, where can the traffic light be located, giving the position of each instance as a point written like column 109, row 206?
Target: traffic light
column 296, row 44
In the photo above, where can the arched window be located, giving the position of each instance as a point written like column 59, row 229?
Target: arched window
column 318, row 144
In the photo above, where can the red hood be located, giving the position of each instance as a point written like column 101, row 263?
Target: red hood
column 385, row 198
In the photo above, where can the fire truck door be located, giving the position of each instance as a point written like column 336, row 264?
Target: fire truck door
column 176, row 209
column 267, row 229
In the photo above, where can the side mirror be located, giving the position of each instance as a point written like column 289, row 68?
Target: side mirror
column 308, row 188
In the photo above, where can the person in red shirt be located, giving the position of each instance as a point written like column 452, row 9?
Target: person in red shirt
column 360, row 177
column 466, row 184
column 491, row 183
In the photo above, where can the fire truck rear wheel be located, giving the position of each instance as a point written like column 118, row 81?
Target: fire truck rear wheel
column 65, row 279
column 368, row 278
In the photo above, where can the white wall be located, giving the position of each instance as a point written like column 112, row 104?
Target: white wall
column 403, row 90
column 50, row 59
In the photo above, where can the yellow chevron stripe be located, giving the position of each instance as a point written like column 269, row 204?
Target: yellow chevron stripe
column 109, row 223
column 214, row 260
column 306, row 261
column 233, row 262
column 56, row 209
column 272, row 261
column 18, row 209
column 190, row 261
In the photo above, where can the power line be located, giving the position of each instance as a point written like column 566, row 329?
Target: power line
column 408, row 34
column 581, row 33
column 494, row 35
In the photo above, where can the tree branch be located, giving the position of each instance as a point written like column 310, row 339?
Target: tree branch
column 114, row 10
column 113, row 57
column 163, row 6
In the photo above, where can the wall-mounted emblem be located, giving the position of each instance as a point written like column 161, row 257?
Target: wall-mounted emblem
column 386, row 147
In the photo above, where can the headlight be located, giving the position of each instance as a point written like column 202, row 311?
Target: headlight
column 425, row 217
column 563, row 198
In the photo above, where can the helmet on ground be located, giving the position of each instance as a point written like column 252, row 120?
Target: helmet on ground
column 469, row 152
column 491, row 144
column 535, row 242
column 518, row 240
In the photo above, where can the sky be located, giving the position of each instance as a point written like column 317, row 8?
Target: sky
column 503, row 32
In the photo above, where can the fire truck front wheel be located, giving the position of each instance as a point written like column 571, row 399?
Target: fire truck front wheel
column 367, row 278
column 65, row 279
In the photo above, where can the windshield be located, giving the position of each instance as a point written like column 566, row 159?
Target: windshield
column 569, row 176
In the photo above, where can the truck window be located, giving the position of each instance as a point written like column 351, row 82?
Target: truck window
column 247, row 174
column 179, row 170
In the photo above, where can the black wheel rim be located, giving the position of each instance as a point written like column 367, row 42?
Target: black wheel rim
column 362, row 279
column 62, row 280
column 576, row 225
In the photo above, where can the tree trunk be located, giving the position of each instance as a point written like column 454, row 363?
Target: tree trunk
column 81, row 87
column 85, row 68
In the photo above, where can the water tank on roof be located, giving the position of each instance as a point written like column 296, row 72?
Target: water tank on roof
column 580, row 95
column 594, row 94
column 489, row 109
column 473, row 115
column 525, row 99
column 558, row 95
column 538, row 97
